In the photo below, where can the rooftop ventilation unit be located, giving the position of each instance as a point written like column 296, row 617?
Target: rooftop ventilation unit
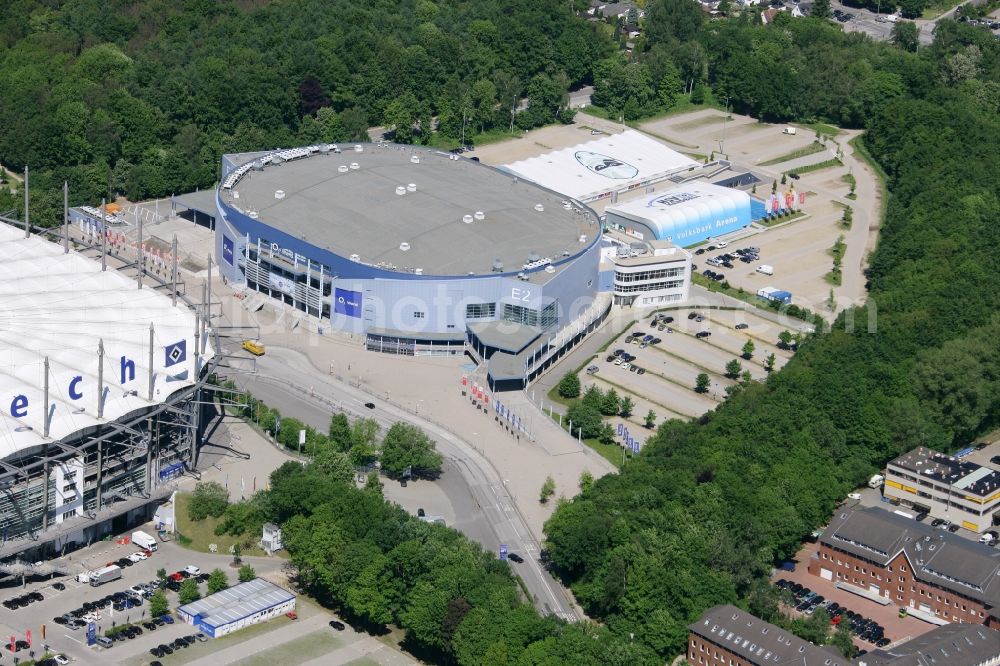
column 358, row 148
column 324, row 149
column 418, row 271
column 411, row 187
column 479, row 215
column 414, row 159
column 236, row 195
column 522, row 276
column 550, row 269
column 277, row 159
column 583, row 238
column 400, row 190
column 540, row 208
column 355, row 166
column 533, row 257
column 343, row 168
column 258, row 165
column 355, row 257
column 252, row 214
column 567, row 205
column 335, row 148
column 405, row 247
column 279, row 194
column 497, row 266
column 467, row 219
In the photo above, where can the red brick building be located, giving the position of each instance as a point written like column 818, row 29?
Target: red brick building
column 928, row 571
column 729, row 636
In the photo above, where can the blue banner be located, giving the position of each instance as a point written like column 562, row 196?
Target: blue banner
column 227, row 250
column 503, row 552
column 621, row 429
column 175, row 353
column 170, row 471
column 347, row 302
column 91, row 633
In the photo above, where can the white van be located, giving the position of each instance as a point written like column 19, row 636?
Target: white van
column 876, row 481
column 986, row 538
column 765, row 269
column 789, row 130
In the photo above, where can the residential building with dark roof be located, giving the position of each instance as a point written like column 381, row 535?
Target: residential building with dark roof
column 728, row 636
column 950, row 645
column 947, row 487
column 934, row 574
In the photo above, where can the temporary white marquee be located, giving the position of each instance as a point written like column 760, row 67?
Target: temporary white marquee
column 597, row 168
column 61, row 306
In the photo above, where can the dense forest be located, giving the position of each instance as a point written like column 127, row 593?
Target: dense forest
column 142, row 96
column 710, row 507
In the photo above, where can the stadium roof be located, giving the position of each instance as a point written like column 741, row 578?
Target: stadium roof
column 318, row 198
column 237, row 602
column 60, row 306
column 610, row 163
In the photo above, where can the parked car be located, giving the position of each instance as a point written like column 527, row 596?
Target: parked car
column 702, row 334
column 742, row 326
column 338, row 625
column 514, row 557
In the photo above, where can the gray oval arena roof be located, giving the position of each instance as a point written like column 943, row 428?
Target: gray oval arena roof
column 359, row 211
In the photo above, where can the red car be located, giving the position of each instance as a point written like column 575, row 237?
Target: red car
column 176, row 577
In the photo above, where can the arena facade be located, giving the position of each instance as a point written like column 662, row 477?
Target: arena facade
column 100, row 385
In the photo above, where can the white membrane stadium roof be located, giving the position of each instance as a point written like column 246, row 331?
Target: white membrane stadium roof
column 611, row 163
column 60, row 306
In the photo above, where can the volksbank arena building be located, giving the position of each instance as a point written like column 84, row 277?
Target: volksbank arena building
column 419, row 251
column 99, row 408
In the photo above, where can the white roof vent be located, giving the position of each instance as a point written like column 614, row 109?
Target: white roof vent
column 583, row 238
column 405, row 247
column 467, row 219
column 497, row 266
column 550, row 269
column 400, row 190
column 567, row 205
column 540, row 208
column 236, row 195
column 355, row 166
column 358, row 148
column 252, row 214
column 533, row 256
column 355, row 257
column 412, row 187
column 414, row 159
column 279, row 194
column 479, row 215
column 342, row 169
column 521, row 276
column 418, row 271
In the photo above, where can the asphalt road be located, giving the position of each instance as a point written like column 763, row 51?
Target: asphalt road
column 288, row 381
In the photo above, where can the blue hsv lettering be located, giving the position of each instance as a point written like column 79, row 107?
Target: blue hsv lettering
column 73, row 393
column 19, row 406
column 128, row 367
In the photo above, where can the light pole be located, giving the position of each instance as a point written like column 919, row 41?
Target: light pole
column 725, row 119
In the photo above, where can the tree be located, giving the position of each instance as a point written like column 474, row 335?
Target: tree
column 334, row 463
column 650, row 419
column 785, row 339
column 587, row 420
column 401, row 116
column 208, row 499
column 189, row 591
column 701, row 383
column 548, row 490
column 158, row 604
column 569, row 385
column 746, row 377
column 844, row 641
column 626, row 406
column 611, row 404
column 407, row 450
column 586, row 480
column 748, row 349
column 769, row 363
column 217, row 581
column 161, row 573
column 821, row 9
column 247, row 573
column 340, row 432
column 373, row 483
column 733, row 369
column 905, row 35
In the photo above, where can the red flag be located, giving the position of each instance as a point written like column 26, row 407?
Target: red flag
column 486, row 398
column 802, row 197
column 13, row 644
column 465, row 381
column 29, row 637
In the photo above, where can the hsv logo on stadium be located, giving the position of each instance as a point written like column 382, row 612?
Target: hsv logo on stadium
column 606, row 166
column 671, row 199
column 175, row 353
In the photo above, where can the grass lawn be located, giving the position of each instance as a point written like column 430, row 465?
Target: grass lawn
column 822, row 128
column 862, row 151
column 197, row 535
column 811, row 149
column 781, row 220
column 302, row 649
column 827, row 164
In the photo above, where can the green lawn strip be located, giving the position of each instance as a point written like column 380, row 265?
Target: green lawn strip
column 197, row 535
column 628, row 391
column 818, row 166
column 296, row 651
column 823, row 128
column 787, row 219
column 811, row 149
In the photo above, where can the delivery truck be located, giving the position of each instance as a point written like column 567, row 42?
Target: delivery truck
column 105, row 575
column 144, row 540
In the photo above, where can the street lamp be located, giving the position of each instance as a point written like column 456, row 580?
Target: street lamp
column 725, row 119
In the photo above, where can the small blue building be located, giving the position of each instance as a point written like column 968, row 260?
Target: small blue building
column 237, row 607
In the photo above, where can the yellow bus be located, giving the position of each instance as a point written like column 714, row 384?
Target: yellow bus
column 255, row 348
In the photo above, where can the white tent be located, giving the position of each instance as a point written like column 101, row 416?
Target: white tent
column 597, row 168
column 60, row 306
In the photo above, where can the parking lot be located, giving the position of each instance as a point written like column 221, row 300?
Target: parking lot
column 894, row 628
column 110, row 606
column 660, row 374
